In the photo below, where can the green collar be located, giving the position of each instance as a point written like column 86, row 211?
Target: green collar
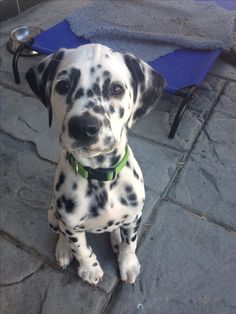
column 101, row 174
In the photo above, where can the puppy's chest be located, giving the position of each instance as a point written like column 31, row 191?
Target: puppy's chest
column 100, row 206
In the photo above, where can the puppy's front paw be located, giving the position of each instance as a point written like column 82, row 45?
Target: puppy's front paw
column 63, row 252
column 129, row 267
column 91, row 273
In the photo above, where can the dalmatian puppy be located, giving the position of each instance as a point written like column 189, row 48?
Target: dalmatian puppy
column 96, row 95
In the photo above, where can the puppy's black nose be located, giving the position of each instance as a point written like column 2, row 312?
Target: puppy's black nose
column 84, row 128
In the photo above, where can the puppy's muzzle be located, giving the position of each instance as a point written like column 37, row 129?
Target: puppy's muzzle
column 84, row 129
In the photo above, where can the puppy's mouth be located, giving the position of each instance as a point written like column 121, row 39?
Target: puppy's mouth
column 88, row 151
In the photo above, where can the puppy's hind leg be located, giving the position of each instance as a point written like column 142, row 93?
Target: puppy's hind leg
column 52, row 217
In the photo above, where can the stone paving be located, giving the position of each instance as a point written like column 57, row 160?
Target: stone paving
column 187, row 244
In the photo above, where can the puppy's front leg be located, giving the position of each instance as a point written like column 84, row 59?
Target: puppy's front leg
column 89, row 269
column 128, row 261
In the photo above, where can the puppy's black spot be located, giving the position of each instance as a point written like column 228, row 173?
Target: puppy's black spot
column 68, row 232
column 106, row 73
column 79, row 93
column 54, row 228
column 125, row 216
column 112, row 109
column 124, row 231
column 98, row 230
column 106, row 88
column 110, row 223
column 68, row 203
column 132, row 197
column 74, row 186
column 139, row 220
column 102, row 198
column 95, row 264
column 94, row 211
column 122, row 237
column 60, row 181
column 73, row 239
column 74, row 79
column 128, row 164
column 123, row 201
column 90, row 104
column 96, row 89
column 137, row 224
column 121, row 112
column 99, row 109
column 126, row 224
column 90, row 93
column 114, row 160
column 83, row 218
column 117, row 223
column 135, row 174
column 92, row 70
column 92, row 187
column 74, row 251
column 113, row 183
column 106, row 55
column 99, row 65
column 100, row 159
column 128, row 188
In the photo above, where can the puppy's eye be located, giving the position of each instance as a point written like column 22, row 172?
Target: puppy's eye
column 62, row 87
column 117, row 89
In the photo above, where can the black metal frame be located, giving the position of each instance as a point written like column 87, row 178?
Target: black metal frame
column 187, row 96
column 16, row 56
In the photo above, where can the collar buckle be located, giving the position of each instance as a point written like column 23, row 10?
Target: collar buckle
column 100, row 174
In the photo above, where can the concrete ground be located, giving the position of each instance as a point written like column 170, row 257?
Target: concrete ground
column 187, row 245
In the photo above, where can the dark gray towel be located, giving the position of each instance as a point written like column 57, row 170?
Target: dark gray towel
column 150, row 29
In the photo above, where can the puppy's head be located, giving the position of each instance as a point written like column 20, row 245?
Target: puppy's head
column 96, row 94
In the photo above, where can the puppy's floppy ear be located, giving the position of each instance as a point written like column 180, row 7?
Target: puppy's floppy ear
column 147, row 87
column 40, row 79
